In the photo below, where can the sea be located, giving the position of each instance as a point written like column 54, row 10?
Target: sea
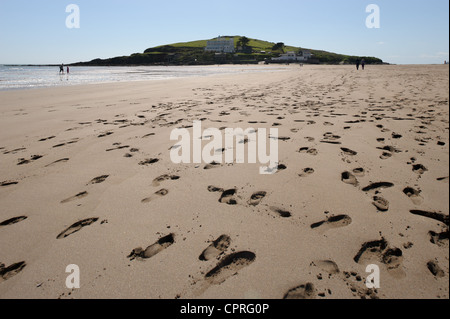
column 15, row 77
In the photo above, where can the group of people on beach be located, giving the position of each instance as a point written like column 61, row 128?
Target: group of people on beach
column 362, row 63
column 61, row 69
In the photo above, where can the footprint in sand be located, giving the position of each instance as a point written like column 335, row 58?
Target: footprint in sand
column 281, row 212
column 8, row 183
column 439, row 239
column 105, row 134
column 147, row 135
column 15, row 151
column 360, row 172
column 161, row 193
column 348, row 151
column 332, row 222
column 434, row 268
column 331, row 138
column 156, row 182
column 306, row 172
column 442, row 179
column 10, row 271
column 349, row 178
column 280, row 138
column 354, row 281
column 304, row 291
column 419, row 169
column 149, row 161
column 152, row 250
column 228, row 197
column 98, row 180
column 62, row 144
column 377, row 186
column 436, row 216
column 256, row 198
column 385, row 155
column 229, row 266
column 328, row 266
column 13, row 220
column 23, row 161
column 46, row 139
column 414, row 195
column 76, row 227
column 77, row 196
column 281, row 167
column 217, row 248
column 307, row 150
column 211, row 165
column 380, row 251
column 244, row 141
column 381, row 203
column 63, row 160
column 214, row 189
column 390, row 149
column 117, row 148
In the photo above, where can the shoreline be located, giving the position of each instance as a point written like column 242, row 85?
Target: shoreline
column 242, row 68
column 148, row 82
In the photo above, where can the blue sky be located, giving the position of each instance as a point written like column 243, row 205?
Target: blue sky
column 35, row 32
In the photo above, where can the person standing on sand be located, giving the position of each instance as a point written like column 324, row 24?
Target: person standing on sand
column 363, row 63
column 357, row 65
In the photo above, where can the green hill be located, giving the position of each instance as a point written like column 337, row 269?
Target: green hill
column 193, row 53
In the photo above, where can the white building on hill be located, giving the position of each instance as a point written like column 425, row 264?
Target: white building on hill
column 224, row 45
column 303, row 55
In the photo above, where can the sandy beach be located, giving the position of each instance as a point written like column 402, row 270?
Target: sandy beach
column 86, row 179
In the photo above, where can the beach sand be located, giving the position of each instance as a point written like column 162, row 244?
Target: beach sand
column 86, row 179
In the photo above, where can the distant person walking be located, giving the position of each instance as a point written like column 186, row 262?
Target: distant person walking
column 61, row 68
column 67, row 70
column 363, row 63
column 357, row 65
